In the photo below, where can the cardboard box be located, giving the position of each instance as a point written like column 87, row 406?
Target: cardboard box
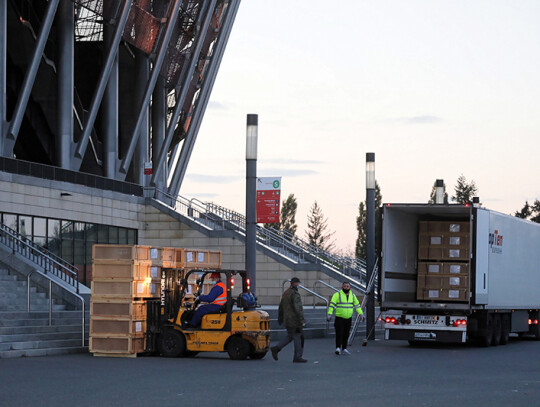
column 443, row 267
column 445, row 281
column 117, row 308
column 443, row 227
column 443, row 295
column 443, row 253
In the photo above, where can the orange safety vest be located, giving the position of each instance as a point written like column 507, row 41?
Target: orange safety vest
column 222, row 298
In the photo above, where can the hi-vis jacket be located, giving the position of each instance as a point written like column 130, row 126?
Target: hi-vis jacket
column 344, row 305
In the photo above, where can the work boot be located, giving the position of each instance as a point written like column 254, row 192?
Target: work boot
column 299, row 360
column 274, row 351
column 338, row 351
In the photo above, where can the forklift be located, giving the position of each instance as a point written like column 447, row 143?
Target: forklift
column 238, row 327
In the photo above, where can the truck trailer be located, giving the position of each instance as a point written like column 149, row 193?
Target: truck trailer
column 458, row 273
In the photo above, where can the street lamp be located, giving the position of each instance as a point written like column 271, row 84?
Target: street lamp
column 370, row 242
column 251, row 196
column 439, row 191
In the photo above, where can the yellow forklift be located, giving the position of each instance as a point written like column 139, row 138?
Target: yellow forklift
column 238, row 328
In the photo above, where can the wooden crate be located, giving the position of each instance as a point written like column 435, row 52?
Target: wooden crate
column 120, row 252
column 116, row 345
column 125, row 288
column 180, row 258
column 117, row 326
column 134, row 269
column 117, row 308
column 204, row 259
column 156, row 256
column 168, row 256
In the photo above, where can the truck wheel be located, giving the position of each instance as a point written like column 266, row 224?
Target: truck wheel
column 505, row 327
column 497, row 330
column 172, row 343
column 237, row 348
column 485, row 339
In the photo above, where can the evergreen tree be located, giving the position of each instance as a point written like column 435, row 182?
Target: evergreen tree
column 317, row 229
column 360, row 249
column 434, row 191
column 531, row 212
column 464, row 191
column 288, row 215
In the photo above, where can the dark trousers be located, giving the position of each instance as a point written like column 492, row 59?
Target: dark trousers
column 343, row 328
column 202, row 311
column 296, row 335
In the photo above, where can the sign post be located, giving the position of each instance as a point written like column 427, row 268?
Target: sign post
column 268, row 199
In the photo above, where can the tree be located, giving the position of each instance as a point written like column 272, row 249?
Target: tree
column 464, row 191
column 434, row 191
column 287, row 216
column 360, row 249
column 317, row 229
column 531, row 212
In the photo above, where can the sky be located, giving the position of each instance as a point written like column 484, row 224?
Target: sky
column 434, row 88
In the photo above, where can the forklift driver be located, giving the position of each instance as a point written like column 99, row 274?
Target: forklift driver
column 216, row 298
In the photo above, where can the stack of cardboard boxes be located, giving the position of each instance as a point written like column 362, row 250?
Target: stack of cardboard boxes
column 443, row 261
column 124, row 276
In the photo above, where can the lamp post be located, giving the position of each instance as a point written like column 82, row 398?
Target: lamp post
column 370, row 242
column 251, row 196
column 439, row 191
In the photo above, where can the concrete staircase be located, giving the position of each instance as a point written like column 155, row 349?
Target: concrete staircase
column 25, row 333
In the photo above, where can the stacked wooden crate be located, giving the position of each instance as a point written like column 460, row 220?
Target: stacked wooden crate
column 443, row 261
column 124, row 276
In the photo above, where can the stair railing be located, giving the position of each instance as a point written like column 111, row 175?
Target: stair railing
column 218, row 217
column 48, row 261
column 50, row 299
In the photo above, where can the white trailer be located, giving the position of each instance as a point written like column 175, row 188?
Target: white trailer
column 480, row 283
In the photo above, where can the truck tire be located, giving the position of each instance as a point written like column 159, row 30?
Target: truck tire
column 497, row 330
column 237, row 348
column 172, row 343
column 505, row 327
column 486, row 337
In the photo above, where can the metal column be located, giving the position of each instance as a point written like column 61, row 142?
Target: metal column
column 142, row 139
column 3, row 67
column 66, row 82
column 102, row 83
column 30, row 77
column 126, row 161
column 159, row 127
column 110, row 110
column 209, row 80
column 185, row 81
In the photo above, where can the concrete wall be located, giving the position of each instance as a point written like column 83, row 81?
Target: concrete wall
column 31, row 196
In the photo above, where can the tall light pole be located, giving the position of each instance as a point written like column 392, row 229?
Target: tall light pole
column 439, row 191
column 251, row 196
column 370, row 242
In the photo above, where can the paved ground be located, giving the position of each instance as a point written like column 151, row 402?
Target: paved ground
column 380, row 374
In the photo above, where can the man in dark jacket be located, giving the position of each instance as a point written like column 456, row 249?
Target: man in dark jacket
column 291, row 313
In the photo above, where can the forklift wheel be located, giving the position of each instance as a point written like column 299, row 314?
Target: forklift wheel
column 172, row 343
column 237, row 348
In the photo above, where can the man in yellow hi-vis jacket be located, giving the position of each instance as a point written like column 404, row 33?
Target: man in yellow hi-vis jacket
column 344, row 302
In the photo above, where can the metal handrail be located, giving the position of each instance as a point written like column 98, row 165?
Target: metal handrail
column 48, row 261
column 364, row 300
column 309, row 291
column 50, row 299
column 323, row 283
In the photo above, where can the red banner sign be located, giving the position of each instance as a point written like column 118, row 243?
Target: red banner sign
column 268, row 199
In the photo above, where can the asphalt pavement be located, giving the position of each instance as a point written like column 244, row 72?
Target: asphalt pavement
column 383, row 373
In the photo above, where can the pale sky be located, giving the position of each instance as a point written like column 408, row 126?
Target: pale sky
column 434, row 88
